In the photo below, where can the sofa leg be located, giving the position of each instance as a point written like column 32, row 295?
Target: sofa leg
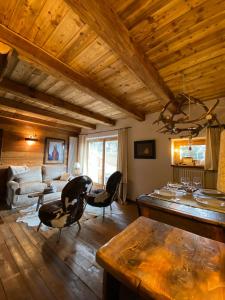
column 103, row 212
column 111, row 207
column 39, row 226
column 78, row 223
column 59, row 235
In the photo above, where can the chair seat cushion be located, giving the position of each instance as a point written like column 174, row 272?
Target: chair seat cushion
column 97, row 198
column 50, row 211
column 53, row 215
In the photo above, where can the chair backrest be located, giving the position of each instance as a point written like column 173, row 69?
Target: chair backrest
column 74, row 191
column 113, row 182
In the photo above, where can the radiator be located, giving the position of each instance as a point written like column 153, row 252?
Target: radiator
column 179, row 172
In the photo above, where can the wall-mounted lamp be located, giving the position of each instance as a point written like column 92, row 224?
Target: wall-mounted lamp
column 31, row 139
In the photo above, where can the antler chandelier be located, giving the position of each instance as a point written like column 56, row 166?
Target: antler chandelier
column 180, row 122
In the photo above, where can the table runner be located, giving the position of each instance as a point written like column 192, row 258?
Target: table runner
column 188, row 200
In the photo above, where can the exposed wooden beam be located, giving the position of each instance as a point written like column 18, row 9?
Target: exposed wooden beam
column 17, row 116
column 3, row 64
column 58, row 69
column 27, row 92
column 5, row 51
column 106, row 23
column 36, row 110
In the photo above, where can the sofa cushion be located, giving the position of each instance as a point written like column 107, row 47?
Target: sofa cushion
column 33, row 174
column 53, row 172
column 14, row 171
column 59, row 184
column 31, row 187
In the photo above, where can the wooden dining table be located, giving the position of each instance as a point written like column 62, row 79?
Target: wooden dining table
column 153, row 260
column 188, row 215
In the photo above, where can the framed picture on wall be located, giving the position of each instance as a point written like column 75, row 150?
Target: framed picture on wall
column 145, row 149
column 54, row 151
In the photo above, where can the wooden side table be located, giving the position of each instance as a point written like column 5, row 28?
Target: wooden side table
column 40, row 196
column 153, row 260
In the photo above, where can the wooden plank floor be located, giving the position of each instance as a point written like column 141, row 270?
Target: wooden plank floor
column 34, row 266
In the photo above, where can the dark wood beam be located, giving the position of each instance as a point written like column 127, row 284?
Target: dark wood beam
column 41, row 59
column 17, row 116
column 106, row 23
column 3, row 64
column 5, row 52
column 27, row 92
column 40, row 111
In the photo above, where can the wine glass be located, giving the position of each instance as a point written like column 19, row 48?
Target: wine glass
column 185, row 181
column 197, row 182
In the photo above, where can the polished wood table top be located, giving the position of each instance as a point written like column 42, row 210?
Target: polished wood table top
column 199, row 213
column 164, row 262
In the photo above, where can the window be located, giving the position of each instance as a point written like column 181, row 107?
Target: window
column 102, row 159
column 195, row 151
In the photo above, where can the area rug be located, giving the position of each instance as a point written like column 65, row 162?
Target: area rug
column 30, row 217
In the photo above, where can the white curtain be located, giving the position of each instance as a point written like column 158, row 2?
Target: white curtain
column 221, row 168
column 72, row 155
column 82, row 154
column 123, row 161
column 212, row 148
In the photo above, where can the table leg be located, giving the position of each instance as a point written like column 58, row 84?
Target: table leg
column 40, row 201
column 111, row 287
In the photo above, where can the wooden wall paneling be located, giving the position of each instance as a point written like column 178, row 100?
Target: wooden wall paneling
column 15, row 150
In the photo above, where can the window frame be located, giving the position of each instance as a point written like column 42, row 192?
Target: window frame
column 178, row 142
column 103, row 140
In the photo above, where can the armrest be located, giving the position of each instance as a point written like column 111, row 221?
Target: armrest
column 13, row 185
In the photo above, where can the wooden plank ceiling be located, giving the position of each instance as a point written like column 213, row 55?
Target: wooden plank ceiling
column 81, row 63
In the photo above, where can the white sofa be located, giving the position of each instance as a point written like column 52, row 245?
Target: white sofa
column 23, row 180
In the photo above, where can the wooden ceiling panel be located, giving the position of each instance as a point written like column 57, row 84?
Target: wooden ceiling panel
column 69, row 27
column 47, row 21
column 180, row 39
column 184, row 41
column 92, row 56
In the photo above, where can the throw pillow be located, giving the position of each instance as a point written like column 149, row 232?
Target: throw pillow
column 65, row 177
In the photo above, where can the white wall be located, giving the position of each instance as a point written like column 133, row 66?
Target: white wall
column 144, row 175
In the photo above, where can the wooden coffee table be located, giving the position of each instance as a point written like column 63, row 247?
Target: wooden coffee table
column 40, row 196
